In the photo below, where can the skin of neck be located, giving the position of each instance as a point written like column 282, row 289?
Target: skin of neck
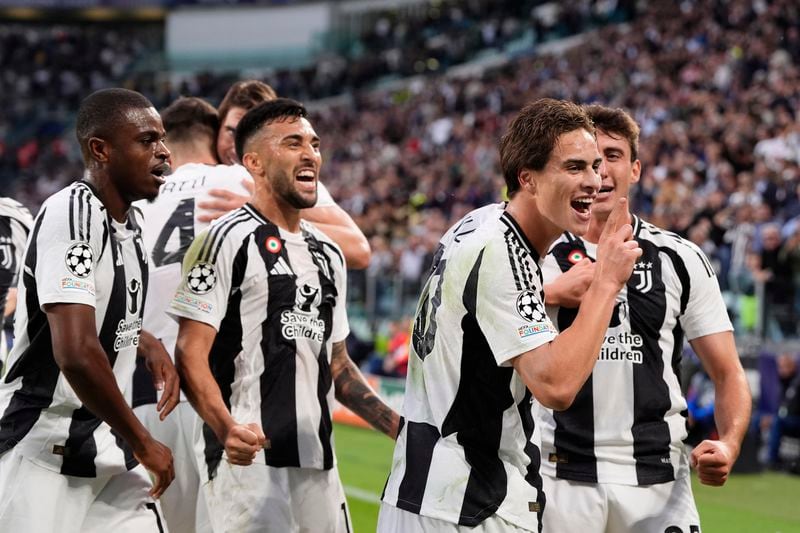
column 108, row 193
column 275, row 209
column 199, row 151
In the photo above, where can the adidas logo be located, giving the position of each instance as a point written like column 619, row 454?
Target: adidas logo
column 280, row 268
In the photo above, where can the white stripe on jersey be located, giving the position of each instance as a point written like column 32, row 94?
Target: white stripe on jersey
column 629, row 411
column 42, row 417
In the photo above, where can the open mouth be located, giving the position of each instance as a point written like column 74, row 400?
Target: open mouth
column 306, row 176
column 582, row 205
column 161, row 172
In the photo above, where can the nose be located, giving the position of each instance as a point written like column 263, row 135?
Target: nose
column 162, row 152
column 593, row 180
column 603, row 169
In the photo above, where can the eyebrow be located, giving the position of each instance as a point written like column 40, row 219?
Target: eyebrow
column 580, row 163
column 298, row 137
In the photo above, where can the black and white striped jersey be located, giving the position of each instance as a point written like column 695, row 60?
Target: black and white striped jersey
column 277, row 301
column 170, row 225
column 627, row 423
column 467, row 448
column 15, row 225
column 76, row 254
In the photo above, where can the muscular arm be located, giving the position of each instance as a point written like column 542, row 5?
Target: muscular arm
column 732, row 405
column 354, row 392
column 85, row 365
column 339, row 226
column 241, row 441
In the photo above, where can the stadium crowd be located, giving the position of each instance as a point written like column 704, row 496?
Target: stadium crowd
column 714, row 86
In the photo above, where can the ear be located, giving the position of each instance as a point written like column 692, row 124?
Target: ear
column 252, row 163
column 527, row 181
column 99, row 149
column 636, row 171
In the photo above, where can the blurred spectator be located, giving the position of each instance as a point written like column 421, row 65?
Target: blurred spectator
column 787, row 421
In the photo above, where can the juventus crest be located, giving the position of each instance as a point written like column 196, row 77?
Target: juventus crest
column 643, row 276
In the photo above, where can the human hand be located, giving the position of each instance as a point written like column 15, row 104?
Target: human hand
column 165, row 377
column 567, row 290
column 713, row 461
column 617, row 252
column 222, row 202
column 243, row 442
column 157, row 459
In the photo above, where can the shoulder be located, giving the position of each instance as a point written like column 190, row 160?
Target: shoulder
column 226, row 233
column 78, row 202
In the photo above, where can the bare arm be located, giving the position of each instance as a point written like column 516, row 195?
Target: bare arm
column 11, row 302
column 732, row 404
column 165, row 377
column 85, row 365
column 339, row 226
column 354, row 392
column 568, row 289
column 556, row 371
column 241, row 441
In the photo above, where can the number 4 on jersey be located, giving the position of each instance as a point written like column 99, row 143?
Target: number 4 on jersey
column 182, row 220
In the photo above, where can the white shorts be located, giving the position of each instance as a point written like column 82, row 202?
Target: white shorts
column 183, row 503
column 394, row 520
column 266, row 499
column 613, row 508
column 34, row 499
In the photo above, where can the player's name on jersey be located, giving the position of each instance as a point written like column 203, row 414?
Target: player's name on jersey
column 622, row 347
column 183, row 185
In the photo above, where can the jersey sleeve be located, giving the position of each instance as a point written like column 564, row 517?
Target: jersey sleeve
column 324, row 198
column 509, row 302
column 205, row 285
column 68, row 246
column 706, row 312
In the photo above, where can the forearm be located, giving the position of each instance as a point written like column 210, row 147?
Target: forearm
column 147, row 343
column 353, row 391
column 732, row 406
column 89, row 374
column 202, row 391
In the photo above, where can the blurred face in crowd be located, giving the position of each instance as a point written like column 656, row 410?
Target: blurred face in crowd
column 617, row 172
column 286, row 152
column 566, row 187
column 226, row 148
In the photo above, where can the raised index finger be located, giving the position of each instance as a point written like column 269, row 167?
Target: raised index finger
column 618, row 216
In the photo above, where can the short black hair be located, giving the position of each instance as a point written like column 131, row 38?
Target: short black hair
column 262, row 114
column 188, row 118
column 102, row 112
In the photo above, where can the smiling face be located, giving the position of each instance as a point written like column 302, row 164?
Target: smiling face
column 566, row 187
column 226, row 150
column 137, row 156
column 286, row 152
column 617, row 172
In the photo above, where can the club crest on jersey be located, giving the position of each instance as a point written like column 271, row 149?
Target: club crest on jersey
column 643, row 271
column 133, row 292
column 273, row 245
column 307, row 297
column 6, row 255
column 576, row 256
column 201, row 278
column 79, row 259
column 529, row 307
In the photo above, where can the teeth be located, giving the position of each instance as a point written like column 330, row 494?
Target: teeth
column 587, row 201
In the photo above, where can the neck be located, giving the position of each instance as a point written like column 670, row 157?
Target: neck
column 115, row 204
column 276, row 210
column 183, row 153
column 539, row 231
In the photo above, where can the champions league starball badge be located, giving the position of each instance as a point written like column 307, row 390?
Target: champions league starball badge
column 201, row 278
column 79, row 259
column 529, row 308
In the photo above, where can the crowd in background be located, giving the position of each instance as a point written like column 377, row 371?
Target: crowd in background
column 715, row 87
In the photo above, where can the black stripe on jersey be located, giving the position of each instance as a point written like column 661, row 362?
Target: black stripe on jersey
column 573, row 437
column 651, row 401
column 8, row 262
column 36, row 366
column 327, row 304
column 278, row 387
column 332, row 248
column 72, row 194
column 509, row 221
column 476, row 415
column 80, row 448
column 222, row 357
column 534, row 454
column 421, row 439
column 217, row 233
column 517, row 245
column 82, row 196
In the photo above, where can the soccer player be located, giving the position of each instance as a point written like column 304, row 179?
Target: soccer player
column 614, row 461
column 70, row 445
column 171, row 223
column 465, row 458
column 325, row 214
column 15, row 225
column 261, row 343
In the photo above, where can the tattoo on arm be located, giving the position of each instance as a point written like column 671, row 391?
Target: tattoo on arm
column 354, row 392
